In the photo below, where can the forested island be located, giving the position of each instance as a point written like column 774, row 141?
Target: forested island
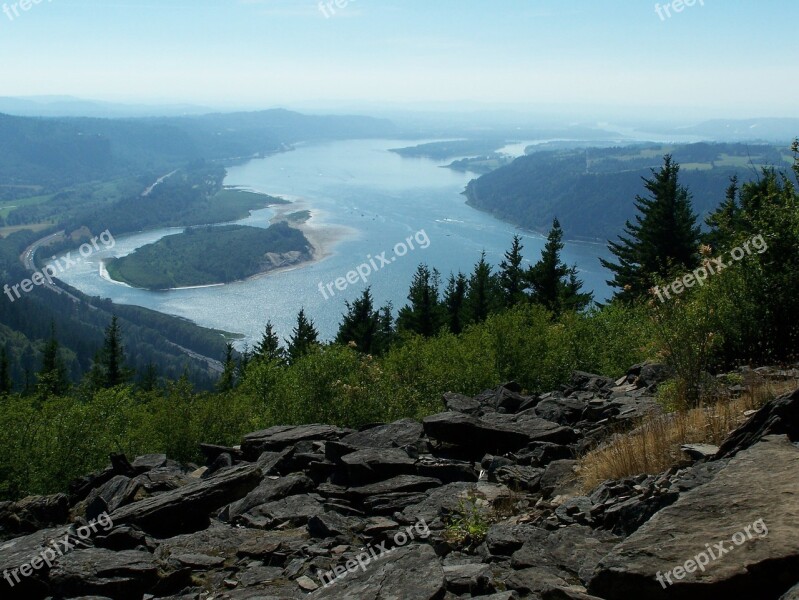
column 211, row 255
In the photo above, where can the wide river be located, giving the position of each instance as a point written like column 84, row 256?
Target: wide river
column 377, row 199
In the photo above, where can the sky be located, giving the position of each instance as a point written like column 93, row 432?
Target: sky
column 717, row 58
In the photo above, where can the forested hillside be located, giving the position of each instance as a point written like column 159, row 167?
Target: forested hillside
column 591, row 190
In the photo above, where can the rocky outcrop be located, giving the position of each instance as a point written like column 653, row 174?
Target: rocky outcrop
column 482, row 500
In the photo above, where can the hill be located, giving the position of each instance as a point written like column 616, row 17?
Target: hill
column 592, row 190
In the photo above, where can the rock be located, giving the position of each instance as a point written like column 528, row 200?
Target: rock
column 331, row 524
column 792, row 594
column 188, row 508
column 295, row 510
column 33, row 513
column 125, row 575
column 281, row 437
column 408, row 573
column 777, row 417
column 535, row 580
column 562, row 593
column 462, row 404
column 559, row 478
column 148, row 462
column 268, row 490
column 700, row 451
column 519, row 478
column 406, row 432
column 307, row 584
column 474, row 579
column 474, row 434
column 376, row 464
column 761, row 567
column 399, row 484
column 23, row 551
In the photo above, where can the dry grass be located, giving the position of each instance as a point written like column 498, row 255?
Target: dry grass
column 654, row 445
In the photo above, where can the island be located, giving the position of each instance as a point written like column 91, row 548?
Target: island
column 210, row 255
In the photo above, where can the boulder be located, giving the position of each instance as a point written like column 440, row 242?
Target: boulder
column 400, row 434
column 474, row 434
column 375, row 464
column 125, row 575
column 268, row 490
column 777, row 417
column 188, row 508
column 281, row 437
column 759, row 553
column 411, row 573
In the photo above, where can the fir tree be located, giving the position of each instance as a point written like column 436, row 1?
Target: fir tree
column 303, row 338
column 484, row 295
column 269, row 348
column 512, row 275
column 228, row 377
column 360, row 324
column 149, row 379
column 553, row 284
column 52, row 378
column 109, row 369
column 663, row 239
column 424, row 313
column 455, row 302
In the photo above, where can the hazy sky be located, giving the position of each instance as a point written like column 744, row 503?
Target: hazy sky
column 725, row 58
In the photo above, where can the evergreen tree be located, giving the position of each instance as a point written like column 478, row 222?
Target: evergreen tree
column 244, row 360
column 424, row 314
column 52, row 378
column 360, row 324
column 6, row 384
column 269, row 347
column 228, row 377
column 455, row 302
column 303, row 338
column 484, row 295
column 512, row 275
column 553, row 284
column 149, row 379
column 109, row 369
column 663, row 239
column 385, row 331
column 725, row 221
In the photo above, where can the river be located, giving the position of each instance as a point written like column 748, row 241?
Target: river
column 373, row 199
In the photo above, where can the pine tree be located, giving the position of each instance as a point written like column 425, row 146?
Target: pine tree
column 385, row 331
column 663, row 239
column 512, row 275
column 269, row 348
column 228, row 377
column 455, row 302
column 109, row 369
column 424, row 313
column 360, row 324
column 6, row 384
column 484, row 295
column 303, row 338
column 553, row 284
column 245, row 357
column 52, row 378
